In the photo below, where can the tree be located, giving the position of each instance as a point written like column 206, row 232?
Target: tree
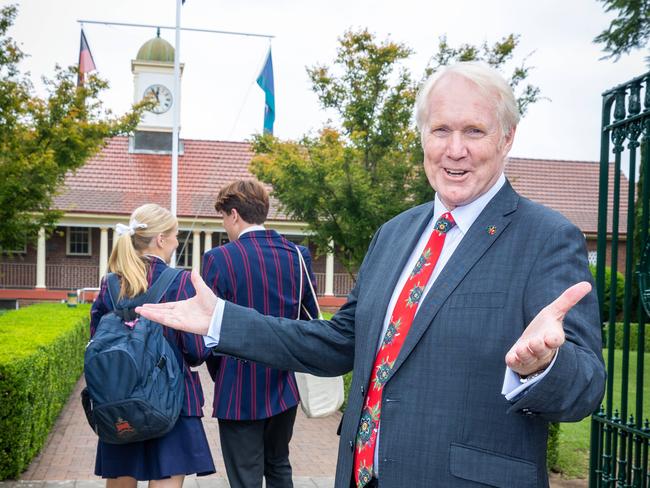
column 345, row 181
column 629, row 30
column 42, row 139
column 496, row 56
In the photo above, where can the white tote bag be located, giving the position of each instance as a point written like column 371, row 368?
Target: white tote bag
column 319, row 396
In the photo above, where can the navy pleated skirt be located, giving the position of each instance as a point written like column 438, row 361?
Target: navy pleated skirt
column 183, row 450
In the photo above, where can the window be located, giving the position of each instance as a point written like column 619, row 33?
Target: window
column 78, row 241
column 184, row 251
column 592, row 257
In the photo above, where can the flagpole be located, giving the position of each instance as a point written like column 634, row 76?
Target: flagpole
column 175, row 118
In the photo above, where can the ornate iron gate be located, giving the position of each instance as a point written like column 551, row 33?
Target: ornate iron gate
column 620, row 431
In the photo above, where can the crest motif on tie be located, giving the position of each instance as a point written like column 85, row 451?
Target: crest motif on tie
column 381, row 373
column 443, row 225
column 422, row 261
column 364, row 474
column 391, row 332
column 367, row 425
column 415, row 295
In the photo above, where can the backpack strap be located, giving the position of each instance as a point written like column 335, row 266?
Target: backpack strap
column 113, row 287
column 159, row 288
column 125, row 308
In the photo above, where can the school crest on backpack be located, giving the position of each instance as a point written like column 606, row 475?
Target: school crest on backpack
column 134, row 383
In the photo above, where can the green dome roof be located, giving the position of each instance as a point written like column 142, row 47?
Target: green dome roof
column 156, row 49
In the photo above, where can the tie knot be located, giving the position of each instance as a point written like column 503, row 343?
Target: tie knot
column 444, row 223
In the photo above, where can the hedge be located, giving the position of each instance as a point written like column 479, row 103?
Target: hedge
column 41, row 359
column 618, row 335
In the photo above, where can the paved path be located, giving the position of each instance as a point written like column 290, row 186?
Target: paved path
column 69, row 452
column 68, row 457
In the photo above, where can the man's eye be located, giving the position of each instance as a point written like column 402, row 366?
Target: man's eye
column 440, row 131
column 474, row 132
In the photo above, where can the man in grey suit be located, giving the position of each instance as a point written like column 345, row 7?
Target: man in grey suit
column 487, row 294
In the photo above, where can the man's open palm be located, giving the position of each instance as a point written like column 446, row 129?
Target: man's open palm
column 191, row 315
column 536, row 347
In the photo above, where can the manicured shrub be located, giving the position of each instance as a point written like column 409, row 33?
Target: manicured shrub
column 41, row 359
column 620, row 291
column 634, row 338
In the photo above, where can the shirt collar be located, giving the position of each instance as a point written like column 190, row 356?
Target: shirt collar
column 465, row 215
column 252, row 228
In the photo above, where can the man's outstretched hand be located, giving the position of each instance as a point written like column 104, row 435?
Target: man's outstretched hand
column 192, row 315
column 536, row 347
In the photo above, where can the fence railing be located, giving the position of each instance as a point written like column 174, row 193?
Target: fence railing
column 343, row 283
column 57, row 276
column 17, row 275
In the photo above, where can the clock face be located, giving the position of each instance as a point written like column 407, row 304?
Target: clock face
column 162, row 96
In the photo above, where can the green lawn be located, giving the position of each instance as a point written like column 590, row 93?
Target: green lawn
column 574, row 437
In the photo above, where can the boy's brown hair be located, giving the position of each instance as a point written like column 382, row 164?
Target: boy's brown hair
column 249, row 197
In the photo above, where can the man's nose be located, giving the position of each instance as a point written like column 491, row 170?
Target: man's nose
column 456, row 148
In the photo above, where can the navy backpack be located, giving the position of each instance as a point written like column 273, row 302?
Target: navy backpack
column 134, row 383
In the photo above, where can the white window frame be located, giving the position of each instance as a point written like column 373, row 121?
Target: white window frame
column 188, row 250
column 68, row 232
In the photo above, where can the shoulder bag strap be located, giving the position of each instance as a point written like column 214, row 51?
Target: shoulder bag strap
column 303, row 267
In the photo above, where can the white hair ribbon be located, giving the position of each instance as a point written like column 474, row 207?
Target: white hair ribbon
column 130, row 229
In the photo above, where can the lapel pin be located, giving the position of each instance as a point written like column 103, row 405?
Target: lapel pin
column 491, row 230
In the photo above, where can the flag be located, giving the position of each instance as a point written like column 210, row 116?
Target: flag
column 86, row 62
column 265, row 81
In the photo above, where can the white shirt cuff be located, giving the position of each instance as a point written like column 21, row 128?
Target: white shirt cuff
column 513, row 387
column 214, row 332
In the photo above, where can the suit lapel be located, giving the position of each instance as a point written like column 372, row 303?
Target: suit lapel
column 484, row 232
column 397, row 253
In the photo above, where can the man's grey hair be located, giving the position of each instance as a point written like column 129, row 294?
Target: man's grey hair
column 489, row 81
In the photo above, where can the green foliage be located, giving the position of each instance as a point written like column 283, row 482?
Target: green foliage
column 634, row 336
column 42, row 139
column 496, row 55
column 553, row 445
column 620, row 291
column 629, row 30
column 345, row 182
column 41, row 359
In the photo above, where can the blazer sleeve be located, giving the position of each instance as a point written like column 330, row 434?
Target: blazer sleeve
column 319, row 347
column 574, row 386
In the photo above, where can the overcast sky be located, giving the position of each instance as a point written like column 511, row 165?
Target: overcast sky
column 220, row 99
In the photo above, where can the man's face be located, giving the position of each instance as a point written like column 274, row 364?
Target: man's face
column 464, row 150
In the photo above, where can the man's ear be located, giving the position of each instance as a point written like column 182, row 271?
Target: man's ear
column 508, row 140
column 234, row 215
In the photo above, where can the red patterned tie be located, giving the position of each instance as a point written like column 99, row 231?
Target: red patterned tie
column 400, row 323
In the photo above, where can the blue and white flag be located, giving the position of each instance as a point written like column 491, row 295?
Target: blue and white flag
column 265, row 81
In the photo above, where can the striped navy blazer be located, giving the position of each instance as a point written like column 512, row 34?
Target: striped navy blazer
column 259, row 270
column 190, row 349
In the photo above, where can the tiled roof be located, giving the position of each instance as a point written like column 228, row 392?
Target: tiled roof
column 570, row 187
column 116, row 181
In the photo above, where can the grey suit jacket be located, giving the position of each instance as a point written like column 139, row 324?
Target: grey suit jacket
column 444, row 421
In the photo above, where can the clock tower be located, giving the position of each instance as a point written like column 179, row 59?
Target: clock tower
column 153, row 77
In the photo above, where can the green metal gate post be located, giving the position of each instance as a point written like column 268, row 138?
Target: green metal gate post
column 619, row 434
